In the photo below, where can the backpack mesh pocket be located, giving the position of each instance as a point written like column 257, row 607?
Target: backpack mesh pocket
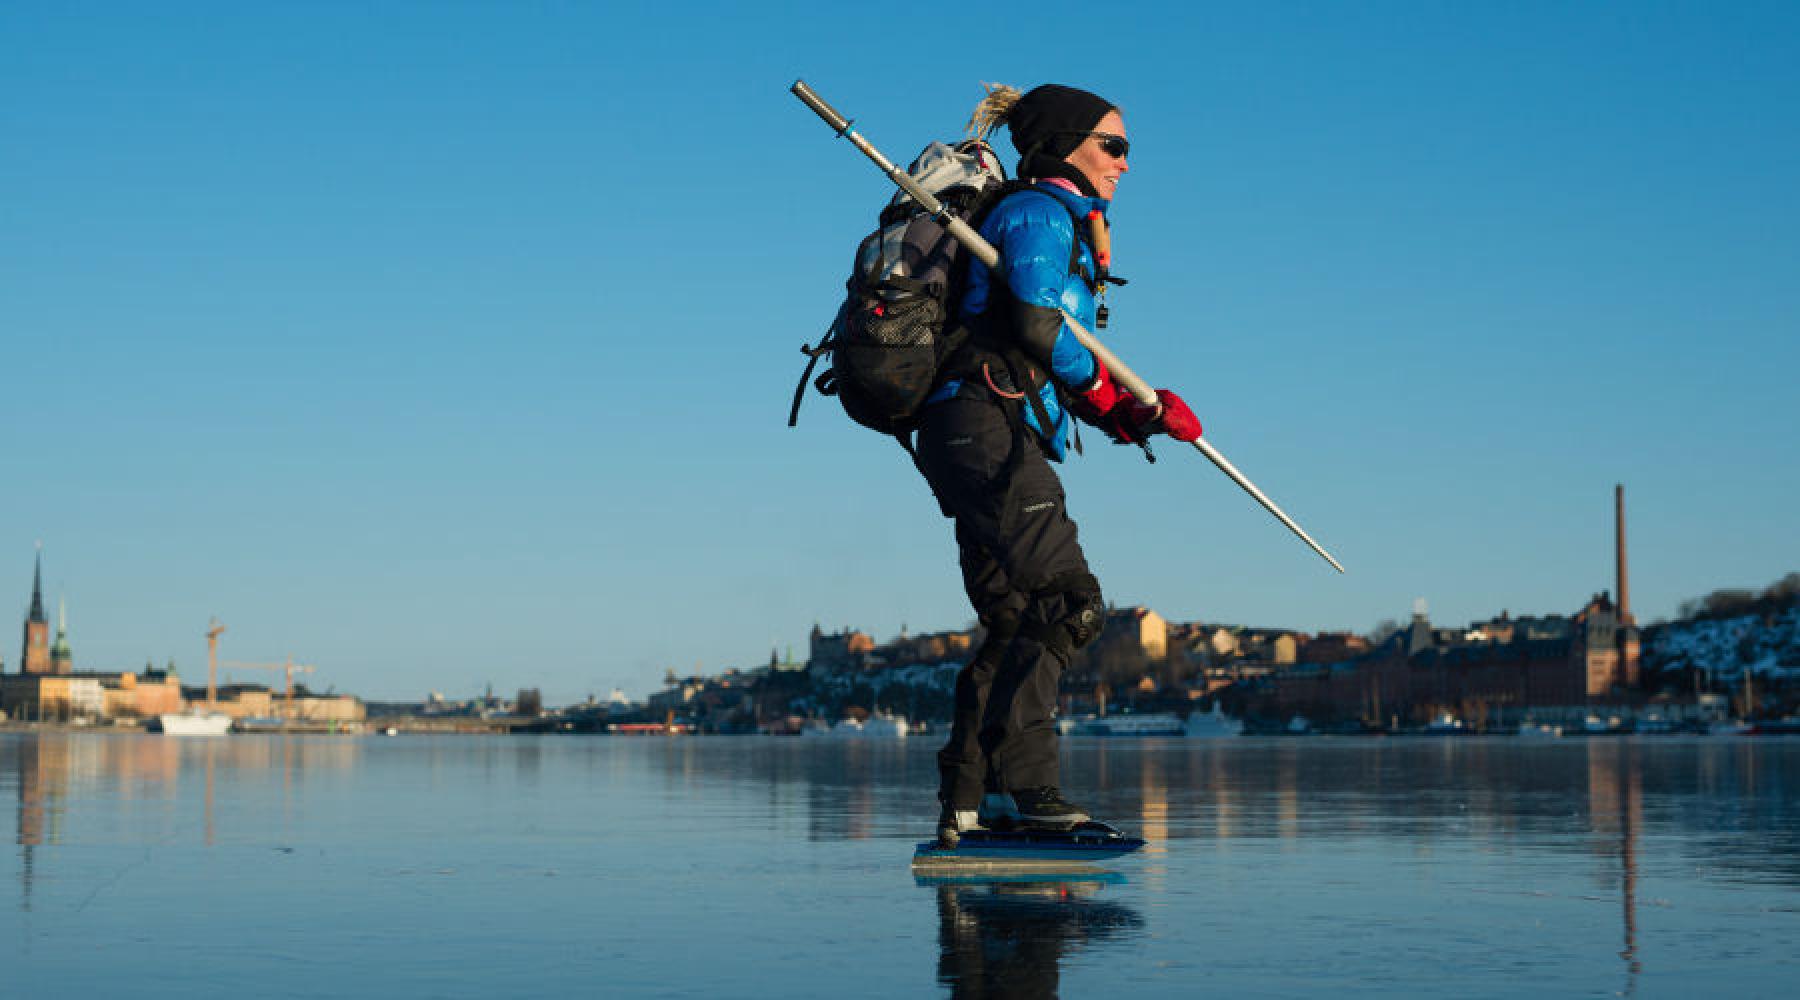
column 888, row 358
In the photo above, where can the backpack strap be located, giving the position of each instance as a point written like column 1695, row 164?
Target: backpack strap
column 812, row 356
column 1011, row 353
column 1089, row 279
column 1021, row 367
column 825, row 345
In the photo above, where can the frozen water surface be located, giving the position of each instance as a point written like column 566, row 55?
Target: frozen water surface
column 755, row 866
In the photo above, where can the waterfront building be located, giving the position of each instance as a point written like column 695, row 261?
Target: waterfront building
column 931, row 647
column 1218, row 645
column 676, row 696
column 142, row 695
column 1136, row 631
column 1596, row 647
column 1422, row 672
column 1333, row 647
column 36, row 697
column 1133, row 643
column 89, row 695
column 838, row 651
column 253, row 701
column 328, row 708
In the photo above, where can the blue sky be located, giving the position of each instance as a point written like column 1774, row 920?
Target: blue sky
column 442, row 344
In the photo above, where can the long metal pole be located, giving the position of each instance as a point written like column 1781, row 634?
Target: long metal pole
column 985, row 252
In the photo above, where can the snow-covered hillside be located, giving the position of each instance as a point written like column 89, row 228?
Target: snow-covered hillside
column 1728, row 645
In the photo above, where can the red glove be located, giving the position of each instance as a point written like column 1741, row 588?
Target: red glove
column 1107, row 407
column 1177, row 420
column 1131, row 422
column 1128, row 422
column 1093, row 403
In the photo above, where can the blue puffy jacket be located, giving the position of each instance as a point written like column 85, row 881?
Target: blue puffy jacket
column 1033, row 230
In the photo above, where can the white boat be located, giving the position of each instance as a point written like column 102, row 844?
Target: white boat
column 1211, row 725
column 885, row 727
column 1539, row 731
column 1149, row 724
column 1445, row 725
column 194, row 723
column 876, row 727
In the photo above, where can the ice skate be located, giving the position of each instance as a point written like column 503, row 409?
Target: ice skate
column 1044, row 808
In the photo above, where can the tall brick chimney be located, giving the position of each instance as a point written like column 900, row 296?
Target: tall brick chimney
column 1624, row 590
column 1628, row 634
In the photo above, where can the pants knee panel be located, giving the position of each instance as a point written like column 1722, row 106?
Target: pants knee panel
column 1068, row 613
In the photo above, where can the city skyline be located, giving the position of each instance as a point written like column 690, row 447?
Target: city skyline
column 442, row 346
column 57, row 658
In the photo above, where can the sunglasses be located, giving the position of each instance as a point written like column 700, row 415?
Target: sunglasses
column 1115, row 146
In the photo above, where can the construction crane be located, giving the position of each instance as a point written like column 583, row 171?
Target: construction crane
column 213, row 631
column 288, row 668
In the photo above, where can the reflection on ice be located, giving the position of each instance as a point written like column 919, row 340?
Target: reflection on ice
column 1008, row 938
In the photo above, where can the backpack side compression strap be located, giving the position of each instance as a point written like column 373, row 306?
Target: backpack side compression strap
column 812, row 361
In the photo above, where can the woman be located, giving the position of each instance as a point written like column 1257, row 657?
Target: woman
column 990, row 432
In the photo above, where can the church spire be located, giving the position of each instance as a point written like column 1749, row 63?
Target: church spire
column 61, row 660
column 35, row 657
column 37, row 590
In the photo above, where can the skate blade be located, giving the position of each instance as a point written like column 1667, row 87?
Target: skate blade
column 949, row 868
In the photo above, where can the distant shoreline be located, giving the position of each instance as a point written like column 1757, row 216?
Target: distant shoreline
column 409, row 725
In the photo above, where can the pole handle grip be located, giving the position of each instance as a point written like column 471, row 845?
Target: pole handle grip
column 808, row 97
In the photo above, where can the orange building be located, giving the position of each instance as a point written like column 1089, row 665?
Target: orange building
column 145, row 696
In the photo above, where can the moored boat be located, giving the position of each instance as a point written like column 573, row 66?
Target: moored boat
column 194, row 723
column 1148, row 724
column 1211, row 725
column 882, row 727
column 1445, row 725
column 1773, row 727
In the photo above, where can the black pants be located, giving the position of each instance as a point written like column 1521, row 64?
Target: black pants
column 1024, row 572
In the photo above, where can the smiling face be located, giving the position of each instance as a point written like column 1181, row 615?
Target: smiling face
column 1101, row 168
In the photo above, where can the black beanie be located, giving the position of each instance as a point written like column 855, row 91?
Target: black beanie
column 1047, row 124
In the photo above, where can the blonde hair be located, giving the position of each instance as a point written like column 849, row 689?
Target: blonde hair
column 993, row 110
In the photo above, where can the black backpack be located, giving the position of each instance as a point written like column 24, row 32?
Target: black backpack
column 898, row 326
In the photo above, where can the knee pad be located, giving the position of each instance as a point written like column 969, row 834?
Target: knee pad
column 1082, row 613
column 1087, row 616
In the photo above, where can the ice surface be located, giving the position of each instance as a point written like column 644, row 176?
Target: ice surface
column 761, row 866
